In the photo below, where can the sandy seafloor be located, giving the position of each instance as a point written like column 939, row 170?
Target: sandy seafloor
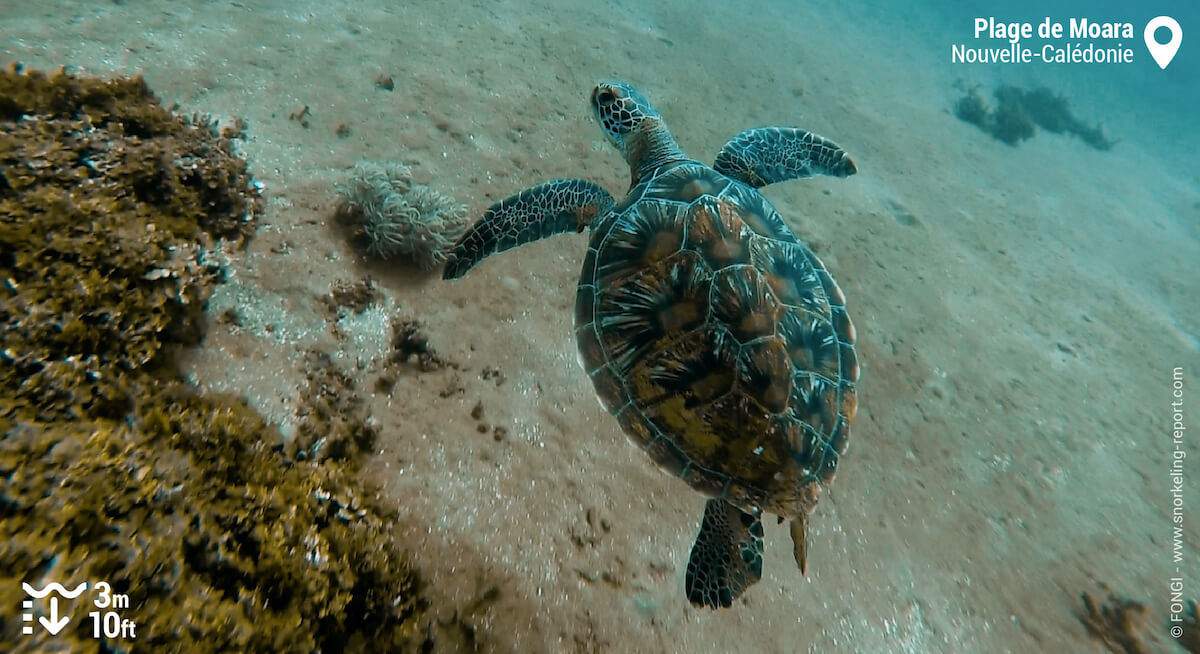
column 1019, row 311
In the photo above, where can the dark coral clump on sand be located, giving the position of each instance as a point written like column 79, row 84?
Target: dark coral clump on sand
column 1010, row 122
column 334, row 423
column 1019, row 112
column 972, row 108
column 111, row 468
column 1116, row 624
column 1124, row 626
column 1190, row 623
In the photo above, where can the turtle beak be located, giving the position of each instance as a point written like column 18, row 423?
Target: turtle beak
column 845, row 167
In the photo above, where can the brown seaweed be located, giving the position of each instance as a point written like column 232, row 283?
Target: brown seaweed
column 113, row 469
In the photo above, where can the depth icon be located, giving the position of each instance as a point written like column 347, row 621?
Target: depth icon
column 53, row 623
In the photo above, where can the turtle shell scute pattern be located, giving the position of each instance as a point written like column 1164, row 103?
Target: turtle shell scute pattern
column 718, row 340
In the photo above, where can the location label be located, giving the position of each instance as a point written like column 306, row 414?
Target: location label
column 1163, row 53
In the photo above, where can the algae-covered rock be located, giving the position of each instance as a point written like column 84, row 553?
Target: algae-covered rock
column 1010, row 123
column 1019, row 112
column 972, row 108
column 109, row 209
column 221, row 542
column 111, row 469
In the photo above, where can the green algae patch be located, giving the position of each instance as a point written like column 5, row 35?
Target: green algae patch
column 112, row 213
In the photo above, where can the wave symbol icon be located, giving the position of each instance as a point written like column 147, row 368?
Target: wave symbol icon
column 55, row 587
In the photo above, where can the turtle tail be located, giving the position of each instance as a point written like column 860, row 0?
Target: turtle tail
column 727, row 556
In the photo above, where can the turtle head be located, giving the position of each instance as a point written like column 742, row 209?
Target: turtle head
column 622, row 111
column 633, row 126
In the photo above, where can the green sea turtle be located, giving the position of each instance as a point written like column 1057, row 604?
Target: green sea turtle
column 717, row 340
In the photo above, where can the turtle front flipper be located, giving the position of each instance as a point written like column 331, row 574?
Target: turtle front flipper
column 558, row 206
column 767, row 155
column 727, row 556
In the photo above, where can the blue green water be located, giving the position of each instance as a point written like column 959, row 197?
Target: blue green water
column 1021, row 308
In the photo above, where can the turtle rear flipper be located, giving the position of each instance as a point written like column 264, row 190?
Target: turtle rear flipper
column 767, row 155
column 556, row 207
column 727, row 556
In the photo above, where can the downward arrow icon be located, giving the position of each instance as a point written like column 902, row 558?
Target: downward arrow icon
column 54, row 624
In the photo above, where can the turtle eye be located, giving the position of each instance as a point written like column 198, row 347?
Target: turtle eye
column 605, row 97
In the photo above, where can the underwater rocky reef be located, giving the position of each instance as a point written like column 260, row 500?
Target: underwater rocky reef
column 1019, row 112
column 114, row 217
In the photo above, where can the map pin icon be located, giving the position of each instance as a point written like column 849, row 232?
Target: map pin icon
column 1163, row 53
